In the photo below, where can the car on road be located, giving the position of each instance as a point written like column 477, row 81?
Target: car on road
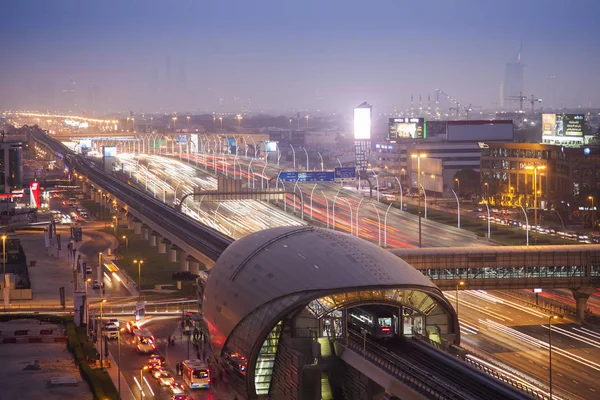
column 110, row 331
column 177, row 387
column 88, row 270
column 131, row 326
column 165, row 378
column 157, row 371
column 96, row 285
column 180, row 397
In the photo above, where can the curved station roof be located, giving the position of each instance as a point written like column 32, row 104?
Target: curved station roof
column 264, row 277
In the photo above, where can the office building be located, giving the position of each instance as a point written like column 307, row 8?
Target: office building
column 455, row 148
column 563, row 173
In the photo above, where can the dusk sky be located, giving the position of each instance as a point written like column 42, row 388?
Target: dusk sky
column 178, row 55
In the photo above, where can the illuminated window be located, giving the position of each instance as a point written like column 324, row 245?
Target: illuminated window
column 266, row 361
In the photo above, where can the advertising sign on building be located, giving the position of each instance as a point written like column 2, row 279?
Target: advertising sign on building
column 560, row 125
column 407, row 128
column 34, row 194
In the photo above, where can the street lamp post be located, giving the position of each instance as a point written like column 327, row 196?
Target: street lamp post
column 418, row 157
column 424, row 199
column 126, row 242
column 535, row 170
column 87, row 307
column 461, row 283
column 293, row 151
column 139, row 265
column 321, row 157
column 379, row 222
column 305, row 152
column 311, row 201
column 4, row 265
column 400, row 188
column 377, row 183
column 593, row 212
column 326, row 207
column 100, row 332
column 385, row 226
column 458, row 186
column 526, row 225
column 488, row 219
column 119, row 358
column 357, row 208
column 457, row 208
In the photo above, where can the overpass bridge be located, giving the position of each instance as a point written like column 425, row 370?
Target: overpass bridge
column 574, row 267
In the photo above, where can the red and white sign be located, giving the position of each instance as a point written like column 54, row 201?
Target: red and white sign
column 34, row 194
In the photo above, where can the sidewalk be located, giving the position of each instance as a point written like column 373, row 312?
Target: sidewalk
column 173, row 355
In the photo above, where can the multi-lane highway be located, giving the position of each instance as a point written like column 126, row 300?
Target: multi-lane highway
column 517, row 337
column 325, row 204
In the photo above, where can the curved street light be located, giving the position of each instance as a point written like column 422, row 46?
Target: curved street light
column 293, row 154
column 333, row 210
column 305, row 152
column 424, row 199
column 400, row 185
column 311, row 201
column 357, row 207
column 378, row 219
column 526, row 225
column 457, row 208
column 385, row 226
column 326, row 207
column 321, row 160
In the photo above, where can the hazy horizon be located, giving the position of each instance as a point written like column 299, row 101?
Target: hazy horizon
column 231, row 55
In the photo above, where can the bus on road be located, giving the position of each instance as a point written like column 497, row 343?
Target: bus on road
column 195, row 374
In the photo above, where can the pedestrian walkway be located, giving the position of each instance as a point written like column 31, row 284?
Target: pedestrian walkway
column 221, row 388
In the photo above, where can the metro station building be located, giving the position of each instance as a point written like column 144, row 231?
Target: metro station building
column 279, row 298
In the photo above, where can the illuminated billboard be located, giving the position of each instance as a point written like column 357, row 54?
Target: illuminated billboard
column 271, row 146
column 109, row 151
column 562, row 125
column 407, row 128
column 362, row 122
column 34, row 194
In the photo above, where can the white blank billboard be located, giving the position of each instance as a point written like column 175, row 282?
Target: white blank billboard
column 458, row 131
column 110, row 151
column 362, row 123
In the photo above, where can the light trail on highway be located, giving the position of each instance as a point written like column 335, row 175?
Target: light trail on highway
column 513, row 337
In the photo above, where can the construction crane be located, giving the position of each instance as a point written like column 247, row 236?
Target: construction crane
column 533, row 100
column 457, row 105
column 520, row 98
column 469, row 108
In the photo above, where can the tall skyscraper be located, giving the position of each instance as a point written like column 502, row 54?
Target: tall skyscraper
column 513, row 76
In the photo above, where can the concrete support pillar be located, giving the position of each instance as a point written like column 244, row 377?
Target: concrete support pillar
column 195, row 266
column 145, row 232
column 153, row 239
column 173, row 253
column 185, row 261
column 162, row 246
column 84, row 187
column 137, row 226
column 581, row 296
